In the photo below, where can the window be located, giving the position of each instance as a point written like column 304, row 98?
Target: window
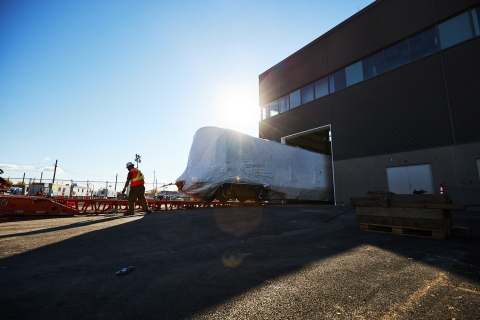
column 321, row 88
column 265, row 112
column 423, row 44
column 307, row 93
column 59, row 189
column 354, row 73
column 295, row 99
column 283, row 104
column 455, row 30
column 476, row 20
column 374, row 65
column 397, row 55
column 273, row 108
column 337, row 81
column 449, row 33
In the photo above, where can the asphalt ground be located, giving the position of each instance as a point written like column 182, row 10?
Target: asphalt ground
column 266, row 262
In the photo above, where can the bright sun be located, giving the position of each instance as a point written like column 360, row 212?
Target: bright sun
column 238, row 109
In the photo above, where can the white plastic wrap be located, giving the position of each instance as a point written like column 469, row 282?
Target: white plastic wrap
column 220, row 156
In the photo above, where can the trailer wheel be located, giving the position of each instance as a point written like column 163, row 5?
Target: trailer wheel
column 223, row 194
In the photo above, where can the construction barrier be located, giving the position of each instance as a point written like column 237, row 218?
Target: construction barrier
column 36, row 206
column 33, row 206
column 96, row 206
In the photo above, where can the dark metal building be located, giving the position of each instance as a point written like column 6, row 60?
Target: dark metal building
column 392, row 93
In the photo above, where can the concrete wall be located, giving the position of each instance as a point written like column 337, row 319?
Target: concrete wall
column 455, row 167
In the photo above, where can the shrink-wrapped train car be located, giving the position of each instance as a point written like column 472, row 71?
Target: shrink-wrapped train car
column 228, row 165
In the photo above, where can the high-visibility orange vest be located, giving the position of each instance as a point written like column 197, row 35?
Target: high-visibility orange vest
column 137, row 178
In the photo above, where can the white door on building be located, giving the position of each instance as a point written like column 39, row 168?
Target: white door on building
column 403, row 180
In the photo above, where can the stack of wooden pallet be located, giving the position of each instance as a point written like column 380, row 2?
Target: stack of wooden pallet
column 406, row 214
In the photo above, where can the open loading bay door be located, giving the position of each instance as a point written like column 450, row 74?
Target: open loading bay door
column 317, row 140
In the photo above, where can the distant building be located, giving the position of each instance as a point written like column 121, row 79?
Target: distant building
column 106, row 193
column 392, row 93
column 57, row 190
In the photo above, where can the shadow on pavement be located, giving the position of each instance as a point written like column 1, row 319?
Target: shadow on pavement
column 53, row 229
column 187, row 261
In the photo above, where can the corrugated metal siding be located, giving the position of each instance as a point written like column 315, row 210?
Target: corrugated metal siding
column 385, row 23
column 462, row 72
column 304, row 68
column 405, row 109
column 268, row 85
column 293, row 73
column 312, row 115
column 445, row 8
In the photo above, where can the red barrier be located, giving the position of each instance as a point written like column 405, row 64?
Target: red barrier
column 41, row 206
column 33, row 206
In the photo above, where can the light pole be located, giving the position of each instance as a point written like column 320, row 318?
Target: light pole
column 138, row 159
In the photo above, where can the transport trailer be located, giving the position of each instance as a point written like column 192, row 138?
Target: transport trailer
column 228, row 165
column 32, row 206
column 23, row 207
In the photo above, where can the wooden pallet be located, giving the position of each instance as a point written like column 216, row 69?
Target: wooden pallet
column 408, row 231
column 429, row 219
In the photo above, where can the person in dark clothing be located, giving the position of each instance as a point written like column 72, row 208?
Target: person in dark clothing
column 137, row 190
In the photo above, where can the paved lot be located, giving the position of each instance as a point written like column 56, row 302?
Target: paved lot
column 271, row 262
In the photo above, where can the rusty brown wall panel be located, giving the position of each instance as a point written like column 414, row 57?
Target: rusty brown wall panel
column 405, row 109
column 309, row 116
column 294, row 72
column 445, row 8
column 382, row 25
column 462, row 72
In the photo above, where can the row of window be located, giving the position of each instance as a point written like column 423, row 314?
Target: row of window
column 453, row 31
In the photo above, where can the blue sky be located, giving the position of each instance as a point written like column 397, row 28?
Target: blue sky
column 92, row 83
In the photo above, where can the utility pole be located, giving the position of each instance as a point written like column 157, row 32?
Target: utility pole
column 55, row 171
column 41, row 175
column 138, row 159
column 116, row 178
column 154, row 190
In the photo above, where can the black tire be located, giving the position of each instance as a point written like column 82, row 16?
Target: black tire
column 223, row 195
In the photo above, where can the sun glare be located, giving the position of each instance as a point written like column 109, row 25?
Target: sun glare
column 238, row 110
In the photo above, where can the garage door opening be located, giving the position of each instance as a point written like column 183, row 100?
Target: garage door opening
column 316, row 140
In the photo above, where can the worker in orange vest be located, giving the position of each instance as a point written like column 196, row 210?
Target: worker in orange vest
column 137, row 190
column 40, row 192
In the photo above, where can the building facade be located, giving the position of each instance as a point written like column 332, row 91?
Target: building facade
column 392, row 93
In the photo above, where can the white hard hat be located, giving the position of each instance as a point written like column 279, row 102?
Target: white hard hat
column 129, row 164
